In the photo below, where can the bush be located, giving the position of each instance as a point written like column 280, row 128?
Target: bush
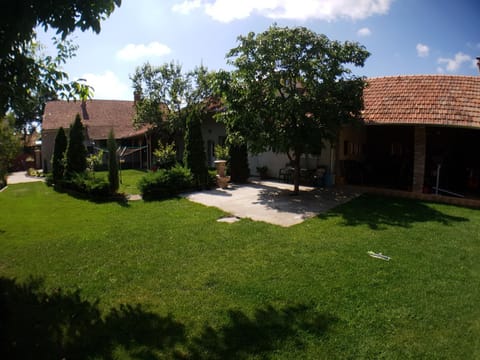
column 165, row 183
column 212, row 179
column 88, row 184
column 165, row 155
column 33, row 172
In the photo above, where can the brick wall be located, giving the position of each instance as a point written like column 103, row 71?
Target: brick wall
column 419, row 159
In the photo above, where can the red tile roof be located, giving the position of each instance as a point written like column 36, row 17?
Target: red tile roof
column 98, row 116
column 423, row 99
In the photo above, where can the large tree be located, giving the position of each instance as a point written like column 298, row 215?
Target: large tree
column 291, row 90
column 168, row 95
column 24, row 77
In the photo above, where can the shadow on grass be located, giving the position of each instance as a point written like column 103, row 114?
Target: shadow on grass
column 35, row 324
column 119, row 198
column 378, row 212
column 60, row 325
column 265, row 332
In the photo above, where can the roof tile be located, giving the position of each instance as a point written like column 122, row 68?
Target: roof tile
column 98, row 116
column 427, row 99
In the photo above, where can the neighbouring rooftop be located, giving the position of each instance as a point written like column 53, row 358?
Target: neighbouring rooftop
column 98, row 116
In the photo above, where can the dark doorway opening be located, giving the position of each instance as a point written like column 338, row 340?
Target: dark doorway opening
column 389, row 156
column 455, row 152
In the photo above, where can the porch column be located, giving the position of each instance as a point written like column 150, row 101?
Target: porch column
column 419, row 159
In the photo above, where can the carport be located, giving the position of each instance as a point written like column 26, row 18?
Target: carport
column 423, row 134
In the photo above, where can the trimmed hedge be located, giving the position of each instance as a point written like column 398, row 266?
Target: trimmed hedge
column 165, row 183
column 88, row 184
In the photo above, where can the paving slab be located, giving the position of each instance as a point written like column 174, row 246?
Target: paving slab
column 273, row 202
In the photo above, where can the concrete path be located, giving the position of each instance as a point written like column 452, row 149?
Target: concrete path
column 272, row 202
column 21, row 177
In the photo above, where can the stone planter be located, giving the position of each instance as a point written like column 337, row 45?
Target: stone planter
column 222, row 180
column 220, row 166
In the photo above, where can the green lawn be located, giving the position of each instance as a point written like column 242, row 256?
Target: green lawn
column 128, row 180
column 165, row 280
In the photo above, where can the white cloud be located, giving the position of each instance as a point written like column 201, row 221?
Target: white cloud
column 422, row 50
column 132, row 52
column 452, row 65
column 108, row 86
column 363, row 32
column 228, row 10
column 187, row 6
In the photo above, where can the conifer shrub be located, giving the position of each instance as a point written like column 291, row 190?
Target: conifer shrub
column 76, row 155
column 194, row 156
column 113, row 177
column 58, row 159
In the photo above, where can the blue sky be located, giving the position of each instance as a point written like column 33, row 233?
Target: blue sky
column 403, row 36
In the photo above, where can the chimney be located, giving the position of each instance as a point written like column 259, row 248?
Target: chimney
column 478, row 62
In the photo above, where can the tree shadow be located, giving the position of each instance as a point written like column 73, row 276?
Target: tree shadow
column 265, row 332
column 60, row 325
column 378, row 212
column 307, row 201
column 119, row 198
column 35, row 324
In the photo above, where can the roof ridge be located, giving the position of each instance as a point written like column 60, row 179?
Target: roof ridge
column 424, row 75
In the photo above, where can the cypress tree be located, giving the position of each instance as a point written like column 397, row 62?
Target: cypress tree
column 58, row 159
column 194, row 153
column 239, row 170
column 76, row 151
column 113, row 177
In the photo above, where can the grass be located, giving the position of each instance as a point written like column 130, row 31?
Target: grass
column 128, row 180
column 165, row 280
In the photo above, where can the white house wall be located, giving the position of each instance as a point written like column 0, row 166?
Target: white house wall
column 274, row 162
column 212, row 132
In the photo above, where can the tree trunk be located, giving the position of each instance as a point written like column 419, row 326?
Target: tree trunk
column 296, row 173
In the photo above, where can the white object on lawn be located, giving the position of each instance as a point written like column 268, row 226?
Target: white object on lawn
column 379, row 255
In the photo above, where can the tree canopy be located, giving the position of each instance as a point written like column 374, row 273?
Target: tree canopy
column 167, row 94
column 24, row 76
column 291, row 90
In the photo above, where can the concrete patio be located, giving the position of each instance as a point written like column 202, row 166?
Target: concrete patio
column 273, row 202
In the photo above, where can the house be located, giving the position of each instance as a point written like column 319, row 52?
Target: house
column 98, row 118
column 422, row 133
column 30, row 157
